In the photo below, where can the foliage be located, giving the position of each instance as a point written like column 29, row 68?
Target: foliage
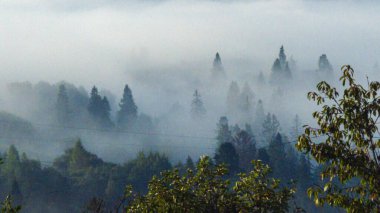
column 127, row 114
column 350, row 148
column 7, row 206
column 206, row 190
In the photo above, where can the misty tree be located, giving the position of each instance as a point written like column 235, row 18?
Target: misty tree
column 280, row 68
column 292, row 64
column 233, row 98
column 261, row 78
column 197, row 108
column 296, row 129
column 271, row 127
column 99, row 108
column 127, row 114
column 259, row 115
column 217, row 68
column 226, row 154
column 262, row 154
column 245, row 146
column 277, row 156
column 62, row 106
column 324, row 64
column 247, row 103
column 223, row 131
column 304, row 171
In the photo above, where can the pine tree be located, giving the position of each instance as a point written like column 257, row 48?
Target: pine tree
column 280, row 68
column 233, row 98
column 277, row 155
column 224, row 133
column 127, row 114
column 271, row 127
column 95, row 103
column 218, row 69
column 245, row 147
column 16, row 192
column 262, row 154
column 282, row 57
column 197, row 108
column 62, row 106
column 260, row 114
column 324, row 64
column 304, row 171
column 296, row 129
column 99, row 109
column 226, row 153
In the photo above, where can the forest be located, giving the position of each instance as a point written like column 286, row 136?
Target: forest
column 189, row 106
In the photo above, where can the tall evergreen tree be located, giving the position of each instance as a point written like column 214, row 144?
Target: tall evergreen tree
column 127, row 114
column 62, row 106
column 271, row 127
column 197, row 108
column 224, row 133
column 277, row 155
column 262, row 154
column 324, row 64
column 245, row 147
column 217, row 69
column 226, row 153
column 280, row 68
column 304, row 171
column 99, row 109
column 233, row 98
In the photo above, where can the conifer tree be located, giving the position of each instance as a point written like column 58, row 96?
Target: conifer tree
column 127, row 114
column 277, row 155
column 197, row 108
column 62, row 106
column 226, row 154
column 262, row 154
column 224, row 133
column 233, row 98
column 271, row 127
column 99, row 109
column 324, row 64
column 217, row 69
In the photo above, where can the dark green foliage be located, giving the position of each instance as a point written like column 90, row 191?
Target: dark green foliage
column 99, row 109
column 127, row 114
column 349, row 152
column 206, row 190
column 8, row 207
column 245, row 147
column 262, row 154
column 277, row 155
column 226, row 154
column 142, row 169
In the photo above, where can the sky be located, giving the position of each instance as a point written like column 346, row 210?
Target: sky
column 162, row 44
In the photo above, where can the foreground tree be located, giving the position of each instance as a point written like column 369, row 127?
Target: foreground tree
column 349, row 152
column 207, row 190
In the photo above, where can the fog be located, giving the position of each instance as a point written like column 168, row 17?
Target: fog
column 164, row 51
